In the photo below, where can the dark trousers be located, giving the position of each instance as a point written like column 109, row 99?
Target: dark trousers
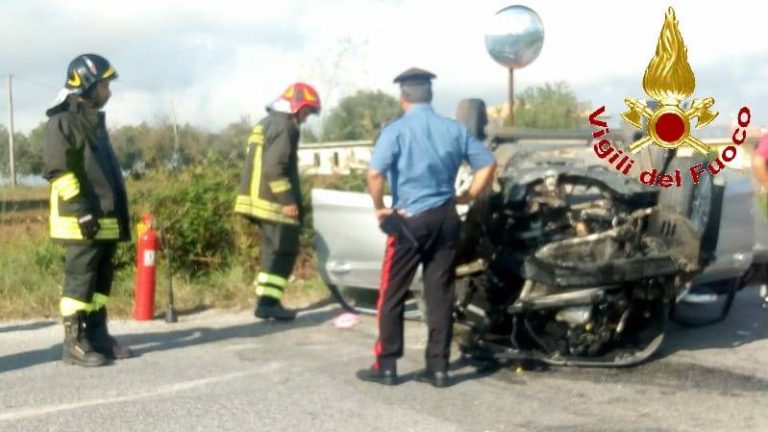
column 279, row 249
column 436, row 233
column 88, row 269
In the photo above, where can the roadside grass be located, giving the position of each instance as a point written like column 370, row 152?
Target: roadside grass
column 28, row 292
column 31, row 271
column 32, row 266
column 32, row 274
column 23, row 193
column 223, row 290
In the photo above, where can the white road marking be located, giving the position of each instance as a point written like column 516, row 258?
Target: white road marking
column 169, row 389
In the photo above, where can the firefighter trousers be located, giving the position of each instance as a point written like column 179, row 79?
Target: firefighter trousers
column 431, row 242
column 279, row 249
column 88, row 270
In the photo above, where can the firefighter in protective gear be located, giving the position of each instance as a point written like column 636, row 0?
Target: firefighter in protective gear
column 270, row 193
column 89, row 208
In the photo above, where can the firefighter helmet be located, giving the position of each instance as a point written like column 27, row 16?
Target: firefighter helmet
column 295, row 97
column 86, row 70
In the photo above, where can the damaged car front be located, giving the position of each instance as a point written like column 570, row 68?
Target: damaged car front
column 564, row 261
column 571, row 264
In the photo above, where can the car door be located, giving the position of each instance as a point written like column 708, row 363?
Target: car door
column 349, row 244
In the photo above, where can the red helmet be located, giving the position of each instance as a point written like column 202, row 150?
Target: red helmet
column 295, row 97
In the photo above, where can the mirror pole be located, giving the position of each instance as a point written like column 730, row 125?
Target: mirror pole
column 511, row 118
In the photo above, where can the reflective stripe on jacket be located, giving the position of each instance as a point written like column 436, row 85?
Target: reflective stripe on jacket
column 85, row 176
column 270, row 179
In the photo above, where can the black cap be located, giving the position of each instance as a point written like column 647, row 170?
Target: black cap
column 415, row 76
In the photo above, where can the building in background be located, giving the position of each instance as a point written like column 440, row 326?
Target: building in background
column 335, row 157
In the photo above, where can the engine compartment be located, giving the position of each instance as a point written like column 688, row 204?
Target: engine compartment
column 577, row 265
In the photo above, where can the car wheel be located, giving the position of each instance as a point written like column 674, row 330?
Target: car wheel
column 706, row 304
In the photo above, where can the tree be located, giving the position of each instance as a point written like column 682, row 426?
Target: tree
column 29, row 150
column 129, row 144
column 308, row 135
column 231, row 143
column 360, row 116
column 330, row 66
column 194, row 144
column 157, row 144
column 5, row 170
column 551, row 106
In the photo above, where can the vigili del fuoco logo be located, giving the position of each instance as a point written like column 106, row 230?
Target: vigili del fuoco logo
column 669, row 81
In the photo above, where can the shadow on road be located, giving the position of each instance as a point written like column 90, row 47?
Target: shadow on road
column 26, row 327
column 164, row 340
column 745, row 324
column 144, row 343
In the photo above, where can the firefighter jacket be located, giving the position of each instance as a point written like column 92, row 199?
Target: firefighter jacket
column 85, row 176
column 270, row 179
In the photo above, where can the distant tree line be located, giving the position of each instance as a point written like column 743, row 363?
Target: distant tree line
column 356, row 117
column 549, row 106
column 138, row 147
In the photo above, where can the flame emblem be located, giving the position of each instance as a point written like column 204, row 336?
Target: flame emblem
column 669, row 80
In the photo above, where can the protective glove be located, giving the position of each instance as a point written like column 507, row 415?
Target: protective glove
column 89, row 226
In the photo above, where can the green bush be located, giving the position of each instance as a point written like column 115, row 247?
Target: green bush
column 193, row 212
column 216, row 252
column 194, row 209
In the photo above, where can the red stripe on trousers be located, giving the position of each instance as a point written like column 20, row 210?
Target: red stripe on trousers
column 386, row 269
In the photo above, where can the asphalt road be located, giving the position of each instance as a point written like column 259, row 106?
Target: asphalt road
column 229, row 372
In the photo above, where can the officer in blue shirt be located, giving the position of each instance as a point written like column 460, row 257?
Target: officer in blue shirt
column 420, row 154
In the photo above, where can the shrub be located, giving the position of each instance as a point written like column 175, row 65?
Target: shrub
column 193, row 208
column 193, row 212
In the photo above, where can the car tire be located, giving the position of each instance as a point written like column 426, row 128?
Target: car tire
column 689, row 314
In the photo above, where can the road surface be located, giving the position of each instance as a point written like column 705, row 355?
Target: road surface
column 219, row 371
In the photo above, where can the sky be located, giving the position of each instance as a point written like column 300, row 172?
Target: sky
column 212, row 62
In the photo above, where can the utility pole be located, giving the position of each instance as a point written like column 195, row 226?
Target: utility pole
column 10, row 131
column 176, row 157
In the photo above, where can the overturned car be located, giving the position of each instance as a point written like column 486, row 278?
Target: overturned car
column 565, row 261
column 571, row 264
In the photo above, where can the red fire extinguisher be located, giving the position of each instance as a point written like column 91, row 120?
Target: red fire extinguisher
column 146, row 254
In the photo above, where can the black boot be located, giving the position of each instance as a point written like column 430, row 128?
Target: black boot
column 98, row 335
column 438, row 379
column 76, row 348
column 378, row 375
column 270, row 308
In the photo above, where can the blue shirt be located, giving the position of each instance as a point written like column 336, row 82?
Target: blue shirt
column 421, row 153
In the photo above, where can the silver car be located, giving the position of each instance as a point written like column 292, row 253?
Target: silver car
column 350, row 247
